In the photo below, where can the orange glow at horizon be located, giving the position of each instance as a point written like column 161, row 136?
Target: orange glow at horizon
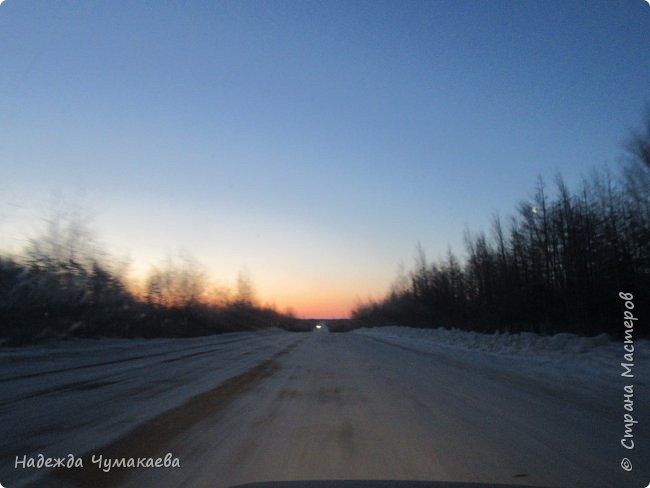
column 315, row 309
column 306, row 303
column 312, row 300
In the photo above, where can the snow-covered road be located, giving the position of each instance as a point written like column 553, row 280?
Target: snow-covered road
column 280, row 406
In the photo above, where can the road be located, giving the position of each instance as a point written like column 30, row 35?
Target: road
column 345, row 406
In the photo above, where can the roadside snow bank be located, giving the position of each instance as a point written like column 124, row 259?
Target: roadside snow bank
column 559, row 357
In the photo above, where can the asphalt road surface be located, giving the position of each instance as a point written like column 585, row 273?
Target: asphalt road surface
column 347, row 406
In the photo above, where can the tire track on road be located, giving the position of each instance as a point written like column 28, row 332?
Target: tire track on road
column 147, row 439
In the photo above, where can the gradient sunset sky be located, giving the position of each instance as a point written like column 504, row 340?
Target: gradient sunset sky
column 311, row 144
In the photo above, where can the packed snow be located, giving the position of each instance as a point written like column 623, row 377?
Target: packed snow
column 71, row 396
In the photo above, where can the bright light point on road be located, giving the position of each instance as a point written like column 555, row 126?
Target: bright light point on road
column 318, row 326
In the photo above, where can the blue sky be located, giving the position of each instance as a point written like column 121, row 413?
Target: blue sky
column 312, row 144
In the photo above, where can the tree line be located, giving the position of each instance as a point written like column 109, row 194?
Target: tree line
column 64, row 285
column 557, row 264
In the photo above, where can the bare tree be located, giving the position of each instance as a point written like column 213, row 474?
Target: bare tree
column 178, row 282
column 638, row 144
column 245, row 290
